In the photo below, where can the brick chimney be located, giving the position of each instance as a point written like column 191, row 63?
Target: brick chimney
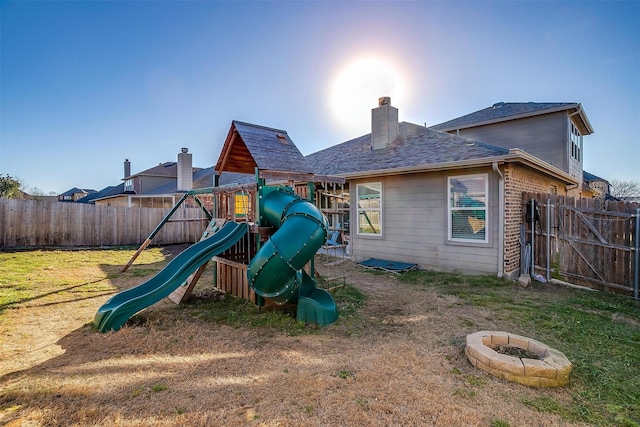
column 384, row 124
column 185, row 170
column 127, row 168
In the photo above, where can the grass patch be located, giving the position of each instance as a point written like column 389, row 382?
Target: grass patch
column 237, row 312
column 43, row 276
column 599, row 333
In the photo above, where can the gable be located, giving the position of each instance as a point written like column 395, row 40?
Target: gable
column 248, row 146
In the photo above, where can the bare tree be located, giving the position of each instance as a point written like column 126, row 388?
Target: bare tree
column 624, row 189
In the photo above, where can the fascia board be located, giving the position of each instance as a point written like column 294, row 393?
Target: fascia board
column 514, row 156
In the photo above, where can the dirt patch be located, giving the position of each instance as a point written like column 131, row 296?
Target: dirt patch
column 404, row 366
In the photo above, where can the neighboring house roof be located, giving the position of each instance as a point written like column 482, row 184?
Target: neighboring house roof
column 233, row 178
column 248, row 146
column 504, row 111
column 166, row 169
column 202, row 178
column 26, row 196
column 589, row 177
column 105, row 192
column 76, row 190
column 415, row 146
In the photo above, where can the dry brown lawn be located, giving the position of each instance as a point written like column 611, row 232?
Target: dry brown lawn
column 404, row 367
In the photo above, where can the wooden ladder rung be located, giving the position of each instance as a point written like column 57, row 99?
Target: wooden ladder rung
column 332, row 263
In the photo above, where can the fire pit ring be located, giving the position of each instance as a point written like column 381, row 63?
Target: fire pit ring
column 550, row 369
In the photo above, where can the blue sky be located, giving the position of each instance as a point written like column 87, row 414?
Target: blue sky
column 86, row 84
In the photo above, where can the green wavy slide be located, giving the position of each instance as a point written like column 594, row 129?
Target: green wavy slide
column 276, row 271
column 115, row 312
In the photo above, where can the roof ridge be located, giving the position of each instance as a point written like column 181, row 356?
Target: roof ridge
column 259, row 126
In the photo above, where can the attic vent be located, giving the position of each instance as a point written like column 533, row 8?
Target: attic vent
column 498, row 105
column 282, row 138
column 169, row 164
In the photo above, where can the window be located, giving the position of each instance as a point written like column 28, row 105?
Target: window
column 128, row 185
column 467, row 207
column 369, row 199
column 576, row 143
column 241, row 204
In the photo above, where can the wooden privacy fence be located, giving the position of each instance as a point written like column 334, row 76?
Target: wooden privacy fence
column 35, row 223
column 591, row 242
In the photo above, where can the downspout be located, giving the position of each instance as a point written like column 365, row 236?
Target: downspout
column 501, row 214
column 568, row 188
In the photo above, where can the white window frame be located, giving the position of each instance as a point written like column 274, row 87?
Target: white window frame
column 575, row 136
column 451, row 209
column 359, row 209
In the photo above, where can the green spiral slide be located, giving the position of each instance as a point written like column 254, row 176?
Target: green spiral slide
column 115, row 312
column 276, row 270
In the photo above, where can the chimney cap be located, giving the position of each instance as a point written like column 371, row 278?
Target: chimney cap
column 185, row 150
column 384, row 100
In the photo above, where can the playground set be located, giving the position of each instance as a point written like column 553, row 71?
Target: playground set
column 262, row 238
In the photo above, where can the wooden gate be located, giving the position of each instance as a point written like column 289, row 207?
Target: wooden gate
column 591, row 242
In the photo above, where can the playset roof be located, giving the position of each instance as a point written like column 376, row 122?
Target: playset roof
column 248, row 146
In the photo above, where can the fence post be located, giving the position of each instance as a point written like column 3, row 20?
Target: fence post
column 636, row 267
column 533, row 239
column 548, row 240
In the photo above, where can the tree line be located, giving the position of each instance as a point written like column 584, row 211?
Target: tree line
column 12, row 188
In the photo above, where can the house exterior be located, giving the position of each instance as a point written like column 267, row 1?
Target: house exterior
column 158, row 187
column 553, row 132
column 74, row 194
column 594, row 186
column 436, row 199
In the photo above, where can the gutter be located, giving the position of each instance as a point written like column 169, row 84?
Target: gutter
column 462, row 164
column 501, row 214
column 585, row 119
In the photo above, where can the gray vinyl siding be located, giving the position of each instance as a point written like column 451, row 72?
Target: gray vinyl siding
column 414, row 220
column 545, row 136
column 148, row 183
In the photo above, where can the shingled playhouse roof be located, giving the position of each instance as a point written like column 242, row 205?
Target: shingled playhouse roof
column 248, row 146
column 504, row 111
column 415, row 146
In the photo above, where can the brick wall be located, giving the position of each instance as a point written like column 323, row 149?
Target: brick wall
column 519, row 179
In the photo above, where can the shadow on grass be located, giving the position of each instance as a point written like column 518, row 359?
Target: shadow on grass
column 22, row 301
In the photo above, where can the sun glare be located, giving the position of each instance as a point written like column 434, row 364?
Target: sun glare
column 356, row 88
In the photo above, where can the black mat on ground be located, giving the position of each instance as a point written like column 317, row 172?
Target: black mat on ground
column 390, row 266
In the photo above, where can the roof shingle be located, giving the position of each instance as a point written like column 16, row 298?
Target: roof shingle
column 502, row 111
column 271, row 149
column 415, row 146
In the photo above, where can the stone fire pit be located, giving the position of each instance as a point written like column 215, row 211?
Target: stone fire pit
column 534, row 364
